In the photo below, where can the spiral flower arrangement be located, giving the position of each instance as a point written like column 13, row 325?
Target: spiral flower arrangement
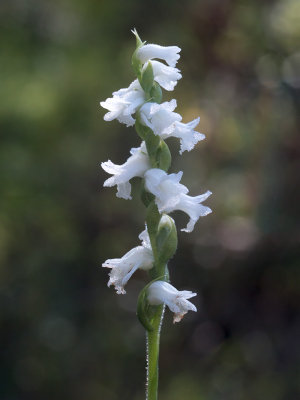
column 155, row 121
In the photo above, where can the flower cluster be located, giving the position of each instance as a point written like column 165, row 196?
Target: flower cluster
column 155, row 122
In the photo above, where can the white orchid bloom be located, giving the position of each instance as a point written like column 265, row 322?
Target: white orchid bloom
column 187, row 135
column 171, row 195
column 161, row 292
column 166, row 76
column 167, row 53
column 140, row 257
column 136, row 165
column 164, row 122
column 160, row 118
column 124, row 103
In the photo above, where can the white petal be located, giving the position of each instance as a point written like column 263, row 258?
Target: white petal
column 144, row 237
column 124, row 191
column 168, row 53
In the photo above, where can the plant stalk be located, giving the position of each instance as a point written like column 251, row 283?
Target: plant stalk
column 153, row 339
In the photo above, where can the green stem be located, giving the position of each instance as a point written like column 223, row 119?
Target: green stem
column 153, row 336
column 153, row 339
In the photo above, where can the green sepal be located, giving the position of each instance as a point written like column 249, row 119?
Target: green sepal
column 152, row 141
column 146, row 196
column 135, row 61
column 163, row 156
column 139, row 42
column 142, row 310
column 142, row 130
column 166, row 239
column 147, row 79
column 152, row 144
column 145, row 312
column 156, row 93
column 152, row 219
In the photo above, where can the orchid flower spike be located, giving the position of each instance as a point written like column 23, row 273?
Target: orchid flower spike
column 171, row 195
column 161, row 292
column 136, row 165
column 124, row 103
column 165, row 123
column 123, row 268
column 141, row 104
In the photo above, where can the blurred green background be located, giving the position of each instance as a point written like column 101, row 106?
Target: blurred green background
column 64, row 334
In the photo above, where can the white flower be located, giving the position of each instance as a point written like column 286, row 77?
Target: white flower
column 171, row 195
column 188, row 137
column 136, row 165
column 149, row 51
column 166, row 76
column 166, row 123
column 123, row 268
column 160, row 117
column 124, row 103
column 160, row 292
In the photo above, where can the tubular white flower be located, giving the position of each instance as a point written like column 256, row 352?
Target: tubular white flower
column 166, row 76
column 161, row 292
column 123, row 268
column 166, row 123
column 160, row 117
column 168, row 53
column 171, row 195
column 136, row 165
column 124, row 103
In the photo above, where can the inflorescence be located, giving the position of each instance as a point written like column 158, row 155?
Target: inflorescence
column 155, row 121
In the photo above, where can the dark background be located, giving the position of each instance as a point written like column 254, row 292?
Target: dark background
column 64, row 334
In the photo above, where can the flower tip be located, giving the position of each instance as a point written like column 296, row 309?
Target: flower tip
column 139, row 41
column 177, row 318
column 208, row 211
column 120, row 290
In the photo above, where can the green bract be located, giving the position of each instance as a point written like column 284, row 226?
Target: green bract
column 147, row 80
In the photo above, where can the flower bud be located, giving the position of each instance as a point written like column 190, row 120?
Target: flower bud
column 166, row 238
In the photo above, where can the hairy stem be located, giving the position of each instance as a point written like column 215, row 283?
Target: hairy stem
column 153, row 339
